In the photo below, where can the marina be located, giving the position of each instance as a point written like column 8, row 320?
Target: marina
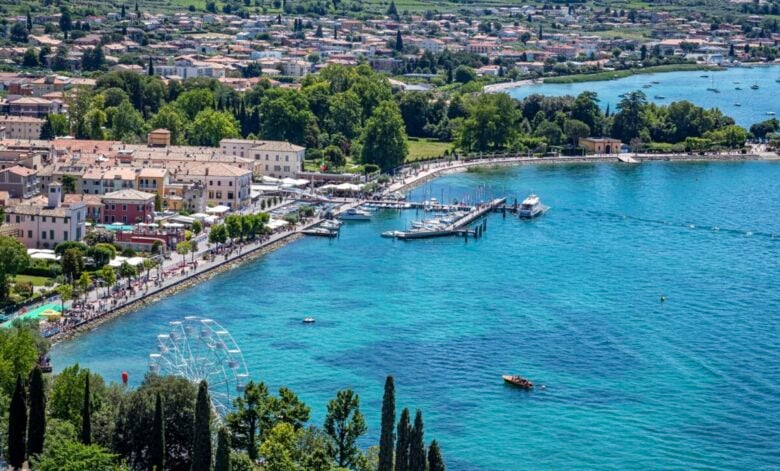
column 455, row 225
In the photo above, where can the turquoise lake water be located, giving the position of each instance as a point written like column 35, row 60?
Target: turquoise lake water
column 676, row 86
column 570, row 300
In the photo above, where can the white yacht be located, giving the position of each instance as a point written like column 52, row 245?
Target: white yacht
column 531, row 207
column 355, row 214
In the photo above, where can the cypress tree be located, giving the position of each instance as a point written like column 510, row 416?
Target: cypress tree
column 399, row 42
column 157, row 447
column 388, row 423
column 150, row 70
column 37, row 427
column 402, row 443
column 223, row 451
column 17, row 426
column 86, row 416
column 201, row 440
column 417, row 444
column 435, row 462
column 123, row 10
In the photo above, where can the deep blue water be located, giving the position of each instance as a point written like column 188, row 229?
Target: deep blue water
column 570, row 300
column 676, row 86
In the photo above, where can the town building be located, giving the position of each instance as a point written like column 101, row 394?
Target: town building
column 223, row 184
column 46, row 225
column 128, row 207
column 21, row 127
column 19, row 182
column 278, row 159
column 603, row 145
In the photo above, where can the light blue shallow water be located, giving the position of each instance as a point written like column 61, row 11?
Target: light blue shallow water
column 676, row 86
column 570, row 300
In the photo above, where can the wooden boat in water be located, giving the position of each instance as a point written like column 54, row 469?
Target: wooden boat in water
column 518, row 381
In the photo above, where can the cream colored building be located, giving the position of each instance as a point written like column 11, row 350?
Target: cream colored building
column 223, row 184
column 279, row 159
column 45, row 226
column 21, row 127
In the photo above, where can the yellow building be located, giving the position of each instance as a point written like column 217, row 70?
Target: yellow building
column 600, row 145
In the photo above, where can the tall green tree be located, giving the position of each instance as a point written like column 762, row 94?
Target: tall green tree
column 387, row 436
column 17, row 426
column 66, row 22
column 345, row 424
column 402, row 442
column 251, row 412
column 209, row 127
column 435, row 461
column 36, row 429
column 201, row 441
column 384, row 137
column 628, row 121
column 13, row 259
column 399, row 41
column 222, row 461
column 157, row 446
column 86, row 415
column 417, row 461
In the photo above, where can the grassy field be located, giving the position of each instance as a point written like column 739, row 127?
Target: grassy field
column 420, row 149
column 35, row 280
column 617, row 74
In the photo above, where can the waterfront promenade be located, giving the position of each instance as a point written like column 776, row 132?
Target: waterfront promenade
column 178, row 273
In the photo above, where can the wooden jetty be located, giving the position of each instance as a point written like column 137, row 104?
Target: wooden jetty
column 458, row 227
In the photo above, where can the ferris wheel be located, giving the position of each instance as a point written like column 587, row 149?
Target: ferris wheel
column 200, row 349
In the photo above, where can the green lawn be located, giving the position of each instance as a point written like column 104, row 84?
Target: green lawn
column 35, row 280
column 420, row 149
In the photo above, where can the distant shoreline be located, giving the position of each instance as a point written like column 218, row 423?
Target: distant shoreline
column 602, row 76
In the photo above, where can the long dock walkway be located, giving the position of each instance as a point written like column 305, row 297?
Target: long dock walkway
column 476, row 214
column 456, row 228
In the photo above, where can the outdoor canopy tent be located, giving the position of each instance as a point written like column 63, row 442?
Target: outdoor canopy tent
column 218, row 210
column 119, row 260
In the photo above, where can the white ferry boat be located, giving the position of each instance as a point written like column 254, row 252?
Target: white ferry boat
column 355, row 214
column 531, row 207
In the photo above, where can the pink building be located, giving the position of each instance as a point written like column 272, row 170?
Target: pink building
column 128, row 207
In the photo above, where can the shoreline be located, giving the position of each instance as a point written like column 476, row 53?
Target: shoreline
column 440, row 168
column 428, row 173
column 504, row 87
column 180, row 285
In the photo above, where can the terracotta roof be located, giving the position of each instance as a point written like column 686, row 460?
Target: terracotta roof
column 129, row 195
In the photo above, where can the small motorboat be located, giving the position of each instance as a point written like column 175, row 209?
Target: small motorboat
column 754, row 86
column 737, row 104
column 770, row 113
column 518, row 381
column 738, row 88
column 309, row 320
column 659, row 97
column 354, row 214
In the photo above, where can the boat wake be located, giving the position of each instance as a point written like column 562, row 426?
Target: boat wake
column 687, row 225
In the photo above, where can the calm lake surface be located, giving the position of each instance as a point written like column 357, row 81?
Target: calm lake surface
column 570, row 300
column 676, row 86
